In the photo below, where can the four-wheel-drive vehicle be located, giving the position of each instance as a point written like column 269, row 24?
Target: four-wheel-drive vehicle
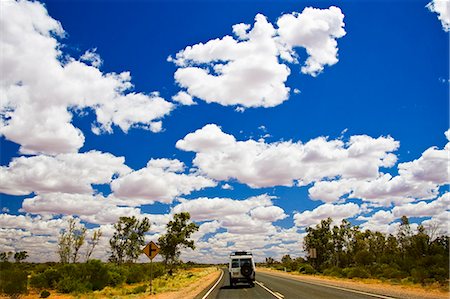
column 242, row 268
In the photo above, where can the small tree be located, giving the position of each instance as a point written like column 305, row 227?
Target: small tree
column 5, row 256
column 70, row 241
column 128, row 239
column 269, row 261
column 20, row 256
column 320, row 239
column 93, row 242
column 179, row 230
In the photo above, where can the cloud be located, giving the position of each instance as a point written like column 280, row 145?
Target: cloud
column 259, row 164
column 243, row 73
column 380, row 221
column 442, row 8
column 35, row 225
column 94, row 209
column 91, row 56
column 184, row 98
column 65, row 204
column 417, row 179
column 438, row 225
column 424, row 209
column 41, row 87
column 67, row 173
column 208, row 209
column 271, row 213
column 336, row 212
column 161, row 180
column 316, row 30
column 227, row 187
column 205, row 228
column 253, row 215
column 247, row 70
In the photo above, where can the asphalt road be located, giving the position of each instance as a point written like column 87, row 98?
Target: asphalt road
column 271, row 286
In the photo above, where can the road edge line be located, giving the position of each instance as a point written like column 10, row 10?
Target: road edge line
column 343, row 289
column 352, row 290
column 269, row 290
column 214, row 286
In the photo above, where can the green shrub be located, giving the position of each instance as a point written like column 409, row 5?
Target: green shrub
column 390, row 272
column 139, row 289
column 306, row 269
column 333, row 271
column 96, row 273
column 44, row 294
column 136, row 274
column 419, row 275
column 363, row 258
column 38, row 281
column 47, row 279
column 440, row 274
column 117, row 275
column 355, row 272
column 13, row 282
column 69, row 285
column 429, row 281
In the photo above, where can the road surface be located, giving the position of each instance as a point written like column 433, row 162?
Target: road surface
column 269, row 286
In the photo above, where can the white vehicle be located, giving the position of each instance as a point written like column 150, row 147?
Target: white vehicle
column 242, row 268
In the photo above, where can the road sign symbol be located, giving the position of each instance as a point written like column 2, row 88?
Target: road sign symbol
column 151, row 250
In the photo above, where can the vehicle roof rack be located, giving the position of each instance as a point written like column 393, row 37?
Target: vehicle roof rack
column 241, row 253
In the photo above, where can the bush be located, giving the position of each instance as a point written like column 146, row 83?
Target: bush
column 47, row 279
column 333, row 271
column 117, row 275
column 69, row 285
column 13, row 282
column 392, row 273
column 355, row 272
column 135, row 274
column 363, row 258
column 44, row 294
column 139, row 289
column 96, row 273
column 306, row 269
column 419, row 275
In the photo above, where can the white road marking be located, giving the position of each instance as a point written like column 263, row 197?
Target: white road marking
column 350, row 290
column 275, row 294
column 214, row 286
column 343, row 289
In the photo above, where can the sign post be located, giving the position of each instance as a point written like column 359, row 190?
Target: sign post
column 151, row 250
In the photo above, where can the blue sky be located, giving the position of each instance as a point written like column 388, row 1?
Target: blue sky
column 258, row 117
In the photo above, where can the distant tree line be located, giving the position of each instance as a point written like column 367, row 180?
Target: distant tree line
column 346, row 251
column 19, row 256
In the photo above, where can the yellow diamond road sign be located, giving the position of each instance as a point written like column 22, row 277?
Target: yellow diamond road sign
column 151, row 250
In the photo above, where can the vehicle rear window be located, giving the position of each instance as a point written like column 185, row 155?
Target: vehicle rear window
column 234, row 263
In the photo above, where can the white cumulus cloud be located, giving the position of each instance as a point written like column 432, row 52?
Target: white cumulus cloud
column 248, row 70
column 419, row 179
column 336, row 212
column 259, row 164
column 442, row 8
column 41, row 87
column 67, row 173
column 160, row 181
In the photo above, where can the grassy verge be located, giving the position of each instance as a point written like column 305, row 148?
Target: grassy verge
column 180, row 281
column 163, row 284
